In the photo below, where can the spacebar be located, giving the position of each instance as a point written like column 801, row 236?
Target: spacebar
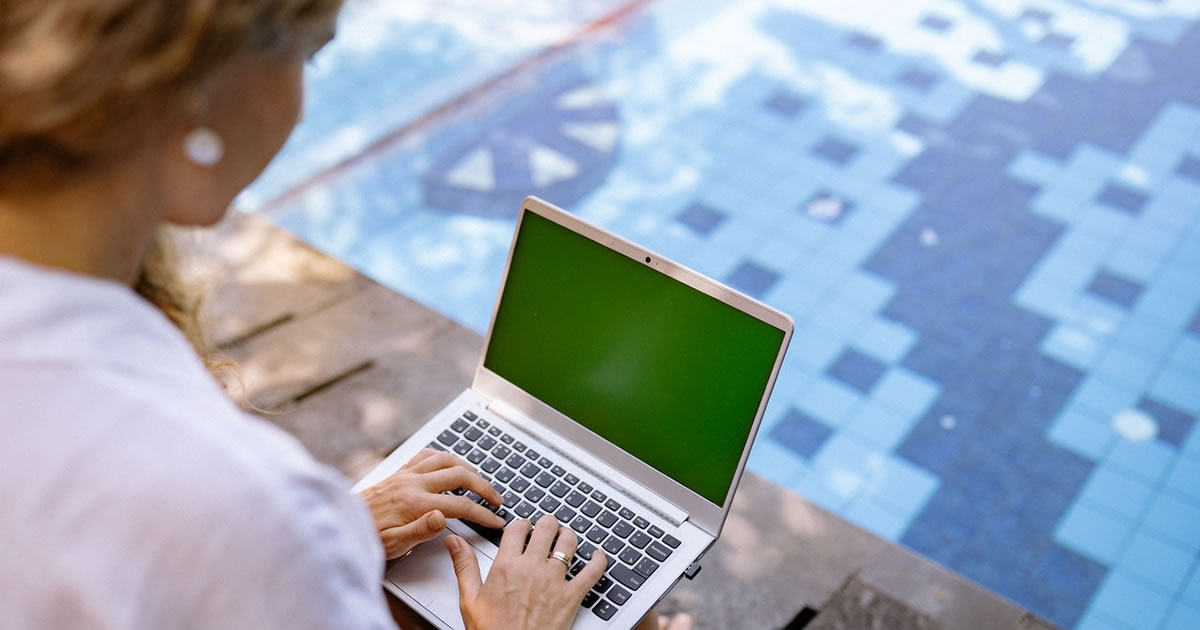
column 488, row 533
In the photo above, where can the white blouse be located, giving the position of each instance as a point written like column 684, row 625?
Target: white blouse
column 135, row 495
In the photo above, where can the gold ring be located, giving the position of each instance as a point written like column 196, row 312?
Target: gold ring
column 561, row 557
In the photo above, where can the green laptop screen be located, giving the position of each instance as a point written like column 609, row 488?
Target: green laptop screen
column 668, row 374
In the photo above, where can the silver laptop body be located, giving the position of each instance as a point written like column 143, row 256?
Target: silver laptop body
column 658, row 525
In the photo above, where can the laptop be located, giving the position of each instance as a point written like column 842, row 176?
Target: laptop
column 617, row 390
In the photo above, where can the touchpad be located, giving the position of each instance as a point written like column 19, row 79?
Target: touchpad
column 427, row 575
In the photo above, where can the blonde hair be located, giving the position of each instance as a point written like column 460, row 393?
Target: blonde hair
column 78, row 78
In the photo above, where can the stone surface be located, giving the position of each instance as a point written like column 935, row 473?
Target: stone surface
column 859, row 606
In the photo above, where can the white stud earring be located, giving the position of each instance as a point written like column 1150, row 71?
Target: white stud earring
column 203, row 146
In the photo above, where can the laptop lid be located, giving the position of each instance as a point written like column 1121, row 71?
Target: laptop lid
column 659, row 371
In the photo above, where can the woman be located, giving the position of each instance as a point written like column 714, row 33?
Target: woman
column 134, row 493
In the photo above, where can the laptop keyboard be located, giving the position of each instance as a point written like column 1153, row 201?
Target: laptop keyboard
column 533, row 484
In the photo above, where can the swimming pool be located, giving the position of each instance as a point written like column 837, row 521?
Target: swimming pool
column 984, row 217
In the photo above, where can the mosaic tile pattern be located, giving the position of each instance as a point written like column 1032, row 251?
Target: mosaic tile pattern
column 984, row 218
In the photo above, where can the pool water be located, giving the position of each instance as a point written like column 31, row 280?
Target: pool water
column 984, row 217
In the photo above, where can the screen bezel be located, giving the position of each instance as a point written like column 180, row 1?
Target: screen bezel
column 705, row 514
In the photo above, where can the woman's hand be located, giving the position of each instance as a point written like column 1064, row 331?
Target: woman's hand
column 409, row 507
column 524, row 590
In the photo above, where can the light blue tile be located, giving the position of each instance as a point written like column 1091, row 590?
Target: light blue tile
column 1105, row 397
column 1185, row 477
column 830, row 402
column 775, row 463
column 885, row 340
column 850, row 455
column 1117, row 493
column 1147, row 460
column 877, row 519
column 1095, row 620
column 902, row 486
column 1146, row 337
column 1131, row 601
column 1183, row 617
column 1127, row 367
column 867, row 291
column 1103, row 222
column 1071, row 345
column 1179, row 389
column 814, row 349
column 907, row 392
column 839, row 318
column 1163, row 305
column 826, row 489
column 1082, row 434
column 1157, row 560
column 1176, row 518
column 1135, row 264
column 1191, row 592
column 1093, row 533
column 1034, row 167
column 880, row 425
column 1186, row 356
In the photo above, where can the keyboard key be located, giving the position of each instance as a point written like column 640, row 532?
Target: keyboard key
column 646, row 567
column 571, row 479
column 492, row 535
column 599, row 496
column 559, row 489
column 623, row 529
column 474, row 498
column 613, row 545
column 506, row 438
column 490, row 465
column 519, row 447
column 532, row 455
column 499, row 488
column 544, row 480
column 577, row 567
column 469, row 415
column 481, row 423
column 437, row 447
column 511, row 498
column 501, row 452
column 575, row 499
column 639, row 540
column 447, row 438
column 520, row 484
column 607, row 519
column 603, row 584
column 584, row 550
column 597, row 535
column 589, row 599
column 641, row 522
column 550, row 504
column 671, row 541
column 463, row 447
column 658, row 552
column 487, row 443
column 626, row 577
column 515, row 462
column 612, row 505
column 505, row 475
column 581, row 525
column 529, row 470
column 604, row 610
column 558, row 471
column 626, row 514
column 459, row 425
column 535, row 494
column 585, row 488
column 619, row 595
column 590, row 508
column 655, row 531
column 545, row 462
column 495, row 431
column 565, row 514
column 473, row 434
column 507, row 514
column 476, row 456
column 630, row 556
column 537, row 516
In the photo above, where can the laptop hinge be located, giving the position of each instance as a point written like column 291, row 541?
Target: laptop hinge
column 513, row 416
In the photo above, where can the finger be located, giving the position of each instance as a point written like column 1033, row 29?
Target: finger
column 421, row 455
column 566, row 543
column 438, row 461
column 590, row 574
column 398, row 540
column 513, row 540
column 461, row 507
column 466, row 569
column 543, row 534
column 459, row 477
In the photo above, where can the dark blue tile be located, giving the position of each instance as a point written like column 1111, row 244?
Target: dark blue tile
column 936, row 23
column 1057, row 41
column 1114, row 288
column 1119, row 196
column 864, row 42
column 701, row 218
column 1037, row 15
column 1189, row 167
column 836, row 150
column 989, row 58
column 1173, row 424
column 1066, row 583
column 827, row 207
column 857, row 370
column 786, row 104
column 918, row 79
column 800, row 434
column 1195, row 325
column 752, row 279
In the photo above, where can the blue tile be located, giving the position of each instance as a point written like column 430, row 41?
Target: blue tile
column 885, row 340
column 1194, row 327
column 1192, row 591
column 753, row 279
column 1069, row 580
column 864, row 42
column 918, row 79
column 905, row 391
column 880, row 425
column 1119, row 494
column 989, row 58
column 837, row 151
column 857, row 370
column 1149, row 460
column 1092, row 533
column 1175, row 518
column 1082, row 434
column 1173, row 425
column 1157, row 560
column 830, row 402
column 902, row 486
column 1183, row 617
column 1189, row 167
column 1057, row 41
column 1114, row 288
column 800, row 433
column 937, row 23
column 827, row 207
column 701, row 218
column 1122, row 198
column 775, row 463
column 877, row 519
column 1184, row 478
column 1131, row 601
column 786, row 104
column 1178, row 388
